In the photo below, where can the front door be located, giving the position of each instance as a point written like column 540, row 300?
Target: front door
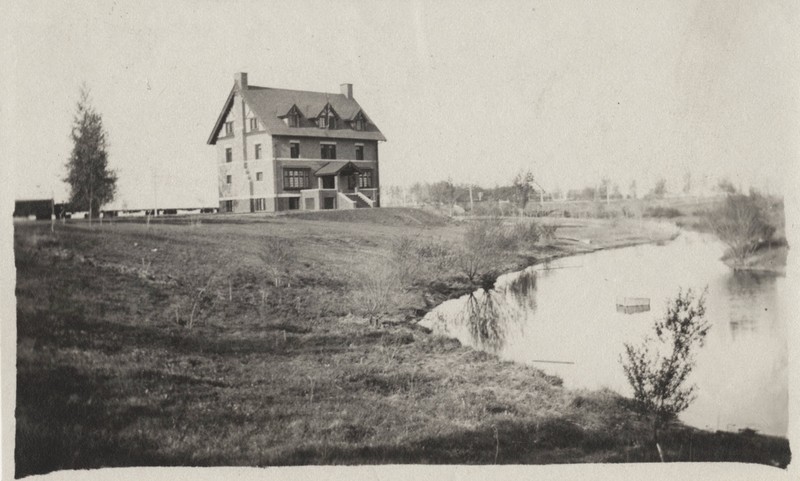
column 328, row 182
column 352, row 182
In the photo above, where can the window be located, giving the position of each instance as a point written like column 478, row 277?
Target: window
column 228, row 128
column 253, row 124
column 258, row 151
column 259, row 205
column 292, row 119
column 360, row 122
column 359, row 152
column 294, row 203
column 228, row 155
column 365, row 179
column 328, row 151
column 259, row 176
column 228, row 179
column 327, row 118
column 294, row 150
column 295, row 179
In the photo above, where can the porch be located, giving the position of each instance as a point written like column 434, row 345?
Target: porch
column 339, row 186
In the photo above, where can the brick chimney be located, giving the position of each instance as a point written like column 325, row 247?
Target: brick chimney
column 347, row 90
column 241, row 80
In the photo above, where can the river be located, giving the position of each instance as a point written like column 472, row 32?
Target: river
column 562, row 318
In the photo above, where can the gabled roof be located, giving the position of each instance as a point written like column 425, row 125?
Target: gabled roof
column 335, row 166
column 270, row 104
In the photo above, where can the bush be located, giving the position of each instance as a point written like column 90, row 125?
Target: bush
column 278, row 257
column 377, row 292
column 434, row 254
column 487, row 246
column 415, row 258
column 742, row 224
column 663, row 212
column 526, row 233
column 658, row 369
column 548, row 231
column 404, row 257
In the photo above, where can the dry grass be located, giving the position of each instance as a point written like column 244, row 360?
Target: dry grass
column 107, row 378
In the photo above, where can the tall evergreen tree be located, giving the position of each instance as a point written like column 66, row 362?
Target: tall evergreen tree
column 92, row 183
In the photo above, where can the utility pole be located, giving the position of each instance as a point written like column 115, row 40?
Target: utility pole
column 471, row 203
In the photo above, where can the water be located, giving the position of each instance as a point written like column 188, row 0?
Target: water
column 567, row 316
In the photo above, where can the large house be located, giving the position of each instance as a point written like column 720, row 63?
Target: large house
column 281, row 150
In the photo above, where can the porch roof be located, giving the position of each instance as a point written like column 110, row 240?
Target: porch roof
column 335, row 167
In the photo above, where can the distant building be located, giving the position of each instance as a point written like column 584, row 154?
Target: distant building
column 41, row 209
column 281, row 150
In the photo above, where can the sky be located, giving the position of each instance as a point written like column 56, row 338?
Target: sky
column 474, row 92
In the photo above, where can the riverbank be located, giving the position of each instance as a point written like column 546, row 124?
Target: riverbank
column 770, row 255
column 110, row 373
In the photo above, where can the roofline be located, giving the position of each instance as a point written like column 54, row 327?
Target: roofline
column 212, row 139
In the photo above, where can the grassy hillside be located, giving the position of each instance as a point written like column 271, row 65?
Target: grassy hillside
column 110, row 373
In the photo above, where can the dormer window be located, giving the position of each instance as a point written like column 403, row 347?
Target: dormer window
column 292, row 118
column 327, row 118
column 360, row 122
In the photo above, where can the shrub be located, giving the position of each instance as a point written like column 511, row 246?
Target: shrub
column 548, row 231
column 658, row 369
column 741, row 223
column 415, row 258
column 405, row 258
column 526, row 233
column 197, row 302
column 664, row 212
column 435, row 254
column 487, row 246
column 488, row 235
column 377, row 291
column 278, row 257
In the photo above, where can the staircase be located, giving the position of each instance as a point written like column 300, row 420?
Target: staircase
column 360, row 203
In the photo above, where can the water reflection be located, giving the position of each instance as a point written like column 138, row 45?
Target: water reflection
column 568, row 314
column 750, row 295
column 492, row 316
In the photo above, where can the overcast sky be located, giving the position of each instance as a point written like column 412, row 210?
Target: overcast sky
column 575, row 91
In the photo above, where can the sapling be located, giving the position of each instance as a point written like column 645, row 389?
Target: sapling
column 659, row 367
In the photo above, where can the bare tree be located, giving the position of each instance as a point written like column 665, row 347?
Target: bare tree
column 741, row 223
column 522, row 189
column 660, row 188
column 377, row 292
column 277, row 256
column 659, row 367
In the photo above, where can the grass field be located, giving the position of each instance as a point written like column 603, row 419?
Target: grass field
column 177, row 343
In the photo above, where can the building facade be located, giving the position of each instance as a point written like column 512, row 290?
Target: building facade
column 280, row 150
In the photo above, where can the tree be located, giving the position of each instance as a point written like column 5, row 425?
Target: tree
column 687, row 182
column 632, row 189
column 522, row 189
column 658, row 369
column 92, row 183
column 660, row 189
column 443, row 193
column 726, row 186
column 741, row 223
